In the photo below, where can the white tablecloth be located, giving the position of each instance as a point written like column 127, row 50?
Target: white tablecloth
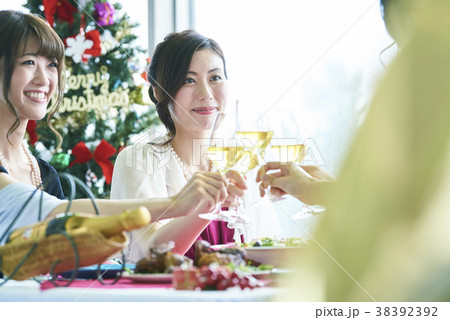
column 29, row 291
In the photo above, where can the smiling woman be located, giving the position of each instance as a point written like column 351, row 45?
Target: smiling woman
column 189, row 86
column 37, row 76
column 204, row 93
column 187, row 71
column 32, row 69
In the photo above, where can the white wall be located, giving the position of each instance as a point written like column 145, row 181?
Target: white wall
column 12, row 5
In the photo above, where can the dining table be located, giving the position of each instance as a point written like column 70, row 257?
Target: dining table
column 125, row 290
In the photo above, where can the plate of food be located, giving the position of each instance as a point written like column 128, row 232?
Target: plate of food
column 275, row 252
column 158, row 265
column 275, row 242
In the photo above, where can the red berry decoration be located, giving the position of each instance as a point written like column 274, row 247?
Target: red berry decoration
column 212, row 278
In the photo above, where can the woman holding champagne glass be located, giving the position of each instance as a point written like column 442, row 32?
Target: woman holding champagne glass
column 189, row 87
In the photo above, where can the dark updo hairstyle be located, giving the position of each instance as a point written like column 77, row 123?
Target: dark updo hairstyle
column 169, row 67
column 16, row 28
column 384, row 7
column 400, row 13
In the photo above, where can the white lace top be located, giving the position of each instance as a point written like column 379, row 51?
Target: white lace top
column 145, row 171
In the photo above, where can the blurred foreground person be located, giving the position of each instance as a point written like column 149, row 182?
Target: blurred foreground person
column 385, row 237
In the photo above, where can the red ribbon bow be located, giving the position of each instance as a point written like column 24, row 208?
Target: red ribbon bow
column 62, row 8
column 31, row 129
column 101, row 156
column 95, row 50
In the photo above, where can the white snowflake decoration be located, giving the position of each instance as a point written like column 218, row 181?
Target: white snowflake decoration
column 76, row 47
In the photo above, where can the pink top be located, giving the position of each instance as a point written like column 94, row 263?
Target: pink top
column 216, row 232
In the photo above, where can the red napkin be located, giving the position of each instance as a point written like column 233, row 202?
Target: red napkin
column 122, row 283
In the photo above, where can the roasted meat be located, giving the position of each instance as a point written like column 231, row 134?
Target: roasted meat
column 161, row 260
column 204, row 255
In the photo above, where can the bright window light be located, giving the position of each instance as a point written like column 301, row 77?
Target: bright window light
column 314, row 63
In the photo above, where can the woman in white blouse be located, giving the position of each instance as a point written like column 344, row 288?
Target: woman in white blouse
column 189, row 86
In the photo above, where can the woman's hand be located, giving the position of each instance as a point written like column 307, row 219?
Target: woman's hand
column 236, row 188
column 202, row 192
column 301, row 182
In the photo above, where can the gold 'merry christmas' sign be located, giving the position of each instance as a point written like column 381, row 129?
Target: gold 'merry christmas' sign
column 89, row 100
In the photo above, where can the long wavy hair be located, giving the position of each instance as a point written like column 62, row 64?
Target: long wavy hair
column 16, row 28
column 169, row 67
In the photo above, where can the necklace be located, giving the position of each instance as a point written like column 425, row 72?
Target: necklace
column 186, row 172
column 35, row 173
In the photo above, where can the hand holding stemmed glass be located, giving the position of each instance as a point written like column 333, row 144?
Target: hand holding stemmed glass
column 223, row 158
column 306, row 183
column 287, row 149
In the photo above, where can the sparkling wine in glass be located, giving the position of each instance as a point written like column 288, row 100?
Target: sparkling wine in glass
column 289, row 153
column 284, row 153
column 289, row 146
column 224, row 158
column 255, row 143
column 254, row 132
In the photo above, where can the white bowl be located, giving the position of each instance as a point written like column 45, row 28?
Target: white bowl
column 276, row 256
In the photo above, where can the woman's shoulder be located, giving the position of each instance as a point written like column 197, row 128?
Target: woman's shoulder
column 147, row 148
column 144, row 159
column 141, row 170
column 51, row 179
column 145, row 152
column 46, row 168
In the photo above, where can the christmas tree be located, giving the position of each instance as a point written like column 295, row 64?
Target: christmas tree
column 103, row 103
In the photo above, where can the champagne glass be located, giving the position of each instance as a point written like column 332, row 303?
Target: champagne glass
column 289, row 146
column 223, row 158
column 289, row 151
column 284, row 153
column 254, row 133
